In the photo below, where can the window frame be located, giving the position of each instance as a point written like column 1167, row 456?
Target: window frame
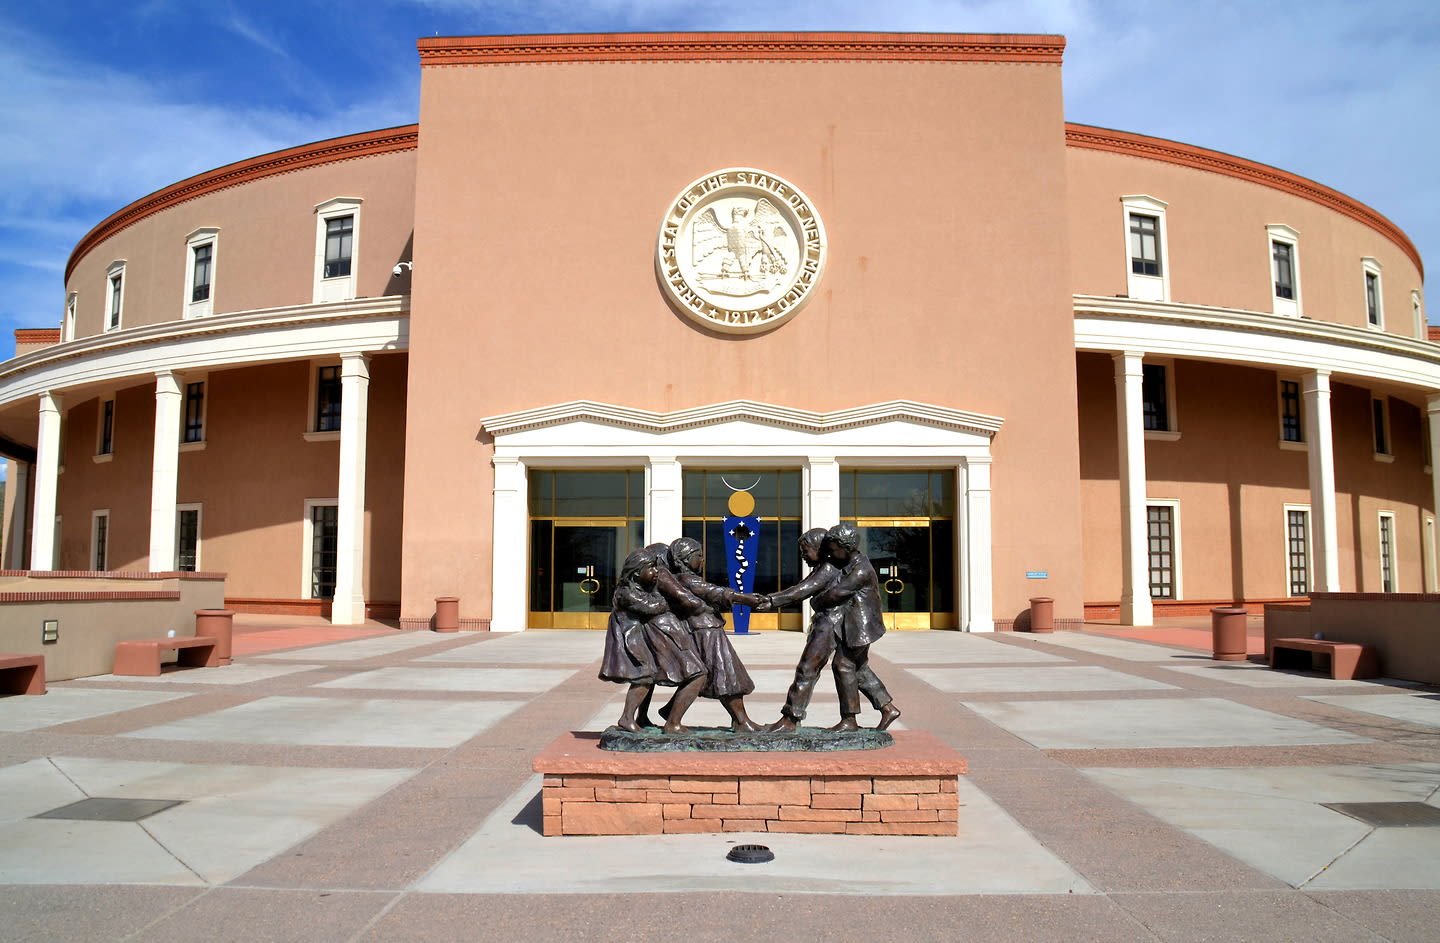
column 114, row 300
column 67, row 321
column 1173, row 504
column 1371, row 274
column 1280, row 234
column 194, row 445
column 1388, row 557
column 195, row 241
column 99, row 541
column 1417, row 307
column 181, row 509
column 105, row 427
column 307, row 555
column 337, row 287
column 1380, row 430
column 312, row 431
column 1428, row 553
column 1147, row 287
column 1298, row 444
column 1309, row 549
column 1171, row 433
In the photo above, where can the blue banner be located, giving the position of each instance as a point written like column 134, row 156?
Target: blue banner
column 742, row 538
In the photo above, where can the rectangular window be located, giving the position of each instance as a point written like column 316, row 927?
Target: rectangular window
column 69, row 333
column 1381, row 422
column 327, row 399
column 339, row 233
column 1297, row 550
column 117, row 295
column 1372, row 298
column 1387, row 552
column 100, row 541
column 1284, row 256
column 1144, row 244
column 1290, row 427
column 1156, row 397
column 200, row 273
column 324, row 543
column 105, row 443
column 194, row 430
column 1160, row 525
column 187, row 538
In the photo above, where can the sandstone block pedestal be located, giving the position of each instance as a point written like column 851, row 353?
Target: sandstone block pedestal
column 907, row 789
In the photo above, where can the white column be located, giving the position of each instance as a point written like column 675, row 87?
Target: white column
column 18, row 488
column 664, row 520
column 822, row 496
column 47, row 480
column 1432, row 412
column 165, row 471
column 1135, row 605
column 508, row 546
column 348, row 607
column 1320, row 447
column 978, row 577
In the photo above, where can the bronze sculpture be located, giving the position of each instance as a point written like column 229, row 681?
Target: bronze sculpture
column 646, row 644
column 831, row 614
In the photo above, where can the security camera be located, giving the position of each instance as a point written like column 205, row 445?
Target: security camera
column 401, row 268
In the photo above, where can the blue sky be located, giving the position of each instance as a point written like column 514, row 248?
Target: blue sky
column 104, row 102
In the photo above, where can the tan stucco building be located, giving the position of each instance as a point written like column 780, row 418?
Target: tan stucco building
column 607, row 282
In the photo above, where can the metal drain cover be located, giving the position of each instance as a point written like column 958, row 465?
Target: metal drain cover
column 109, row 810
column 1390, row 814
column 750, row 854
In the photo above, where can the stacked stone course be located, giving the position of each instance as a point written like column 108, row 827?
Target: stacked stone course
column 591, row 792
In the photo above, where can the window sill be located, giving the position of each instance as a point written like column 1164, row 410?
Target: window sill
column 1384, row 457
column 1162, row 435
column 332, row 436
column 102, row 459
column 193, row 446
column 1290, row 446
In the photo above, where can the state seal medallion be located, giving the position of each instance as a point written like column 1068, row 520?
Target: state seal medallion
column 740, row 251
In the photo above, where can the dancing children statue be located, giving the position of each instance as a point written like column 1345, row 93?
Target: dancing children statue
column 846, row 619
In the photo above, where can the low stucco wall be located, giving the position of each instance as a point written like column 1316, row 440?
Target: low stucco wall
column 97, row 610
column 1403, row 628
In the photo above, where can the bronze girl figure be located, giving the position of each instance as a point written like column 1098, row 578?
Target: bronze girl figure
column 646, row 645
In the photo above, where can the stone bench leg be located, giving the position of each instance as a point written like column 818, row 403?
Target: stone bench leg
column 139, row 659
column 23, row 679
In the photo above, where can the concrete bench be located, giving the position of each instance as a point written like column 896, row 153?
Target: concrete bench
column 1348, row 660
column 142, row 656
column 22, row 674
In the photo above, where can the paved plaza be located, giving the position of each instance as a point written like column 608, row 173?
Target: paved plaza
column 375, row 785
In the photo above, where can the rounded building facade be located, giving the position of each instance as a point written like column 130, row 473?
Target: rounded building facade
column 566, row 315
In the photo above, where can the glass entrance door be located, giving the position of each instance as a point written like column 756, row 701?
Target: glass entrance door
column 907, row 529
column 581, row 529
column 586, row 562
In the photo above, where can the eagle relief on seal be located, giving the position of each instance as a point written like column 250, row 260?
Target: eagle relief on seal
column 740, row 251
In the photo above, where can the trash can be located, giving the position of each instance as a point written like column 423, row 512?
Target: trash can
column 447, row 614
column 219, row 624
column 1042, row 614
column 1227, row 631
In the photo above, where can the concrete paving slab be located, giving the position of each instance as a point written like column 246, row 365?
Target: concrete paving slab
column 232, row 674
column 1253, row 675
column 275, row 916
column 529, row 681
column 1052, row 678
column 359, row 649
column 1152, row 722
column 955, row 648
column 28, row 789
column 992, row 855
column 1127, row 649
column 1271, row 818
column 63, row 705
column 232, row 818
column 338, row 722
column 1418, row 708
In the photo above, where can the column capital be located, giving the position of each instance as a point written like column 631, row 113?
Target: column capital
column 355, row 364
column 51, row 402
column 1316, row 381
column 1432, row 403
column 167, row 383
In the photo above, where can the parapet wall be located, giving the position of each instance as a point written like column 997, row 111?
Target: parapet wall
column 96, row 610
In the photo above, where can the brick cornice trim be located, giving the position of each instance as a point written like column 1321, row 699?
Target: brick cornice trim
column 37, row 335
column 334, row 150
column 1188, row 155
column 689, row 47
column 114, row 574
column 89, row 596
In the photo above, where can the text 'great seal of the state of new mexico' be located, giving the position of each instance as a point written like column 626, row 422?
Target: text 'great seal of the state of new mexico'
column 740, row 250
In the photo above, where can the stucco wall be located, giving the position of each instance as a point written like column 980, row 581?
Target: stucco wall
column 938, row 184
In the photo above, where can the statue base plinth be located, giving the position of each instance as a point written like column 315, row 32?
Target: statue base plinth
column 725, row 740
column 906, row 789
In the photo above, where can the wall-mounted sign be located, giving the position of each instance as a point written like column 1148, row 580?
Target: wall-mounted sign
column 1037, row 574
column 740, row 250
